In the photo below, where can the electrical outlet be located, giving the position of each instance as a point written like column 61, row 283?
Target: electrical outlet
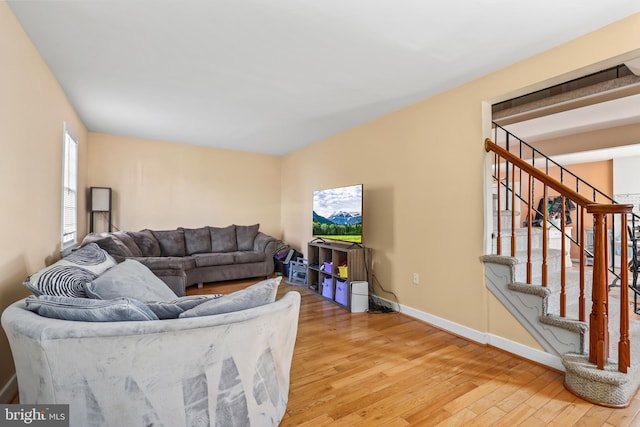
column 416, row 279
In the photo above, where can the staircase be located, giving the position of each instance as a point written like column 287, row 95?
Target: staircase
column 533, row 305
column 536, row 282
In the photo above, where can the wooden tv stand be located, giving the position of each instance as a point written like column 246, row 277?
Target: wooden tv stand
column 358, row 260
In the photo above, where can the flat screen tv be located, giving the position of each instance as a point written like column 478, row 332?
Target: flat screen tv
column 337, row 214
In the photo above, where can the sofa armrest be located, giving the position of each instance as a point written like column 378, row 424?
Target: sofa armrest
column 179, row 364
column 263, row 242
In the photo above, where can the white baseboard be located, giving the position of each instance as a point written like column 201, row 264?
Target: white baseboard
column 509, row 346
column 9, row 390
column 526, row 352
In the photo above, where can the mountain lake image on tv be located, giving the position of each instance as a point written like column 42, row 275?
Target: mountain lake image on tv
column 337, row 214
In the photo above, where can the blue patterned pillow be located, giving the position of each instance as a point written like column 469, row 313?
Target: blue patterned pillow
column 68, row 276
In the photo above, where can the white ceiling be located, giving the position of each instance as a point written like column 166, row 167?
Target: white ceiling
column 273, row 76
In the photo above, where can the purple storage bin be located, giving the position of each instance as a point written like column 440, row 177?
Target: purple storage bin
column 328, row 267
column 327, row 288
column 342, row 290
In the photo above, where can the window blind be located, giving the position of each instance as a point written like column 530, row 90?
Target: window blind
column 69, row 191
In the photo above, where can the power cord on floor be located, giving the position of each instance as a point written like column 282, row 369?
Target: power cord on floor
column 377, row 308
column 374, row 307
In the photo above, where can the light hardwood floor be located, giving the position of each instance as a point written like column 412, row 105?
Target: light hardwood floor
column 367, row 369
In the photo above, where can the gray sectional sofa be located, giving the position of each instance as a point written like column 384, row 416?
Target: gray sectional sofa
column 193, row 256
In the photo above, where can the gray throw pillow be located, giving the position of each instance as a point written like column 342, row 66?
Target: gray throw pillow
column 89, row 310
column 68, row 276
column 114, row 247
column 171, row 309
column 255, row 295
column 93, row 237
column 245, row 235
column 129, row 279
column 223, row 239
column 171, row 242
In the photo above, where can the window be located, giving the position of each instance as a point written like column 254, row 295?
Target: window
column 69, row 191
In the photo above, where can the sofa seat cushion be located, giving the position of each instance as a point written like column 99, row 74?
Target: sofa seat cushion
column 89, row 310
column 129, row 279
column 261, row 293
column 248, row 257
column 211, row 259
column 167, row 262
column 68, row 276
column 197, row 240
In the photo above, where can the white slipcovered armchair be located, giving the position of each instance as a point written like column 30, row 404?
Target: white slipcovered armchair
column 228, row 369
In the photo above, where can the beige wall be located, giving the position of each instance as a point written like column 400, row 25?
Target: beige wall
column 32, row 111
column 161, row 185
column 423, row 170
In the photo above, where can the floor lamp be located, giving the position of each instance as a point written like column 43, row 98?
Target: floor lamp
column 100, row 203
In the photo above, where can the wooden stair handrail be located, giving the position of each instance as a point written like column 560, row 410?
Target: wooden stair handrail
column 600, row 208
column 598, row 319
column 489, row 145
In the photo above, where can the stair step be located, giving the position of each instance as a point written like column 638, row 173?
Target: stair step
column 522, row 240
column 536, row 308
column 505, row 220
column 608, row 387
column 554, row 264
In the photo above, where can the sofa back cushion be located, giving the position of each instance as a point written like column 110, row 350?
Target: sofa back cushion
column 128, row 242
column 223, row 239
column 89, row 310
column 245, row 235
column 93, row 237
column 68, row 276
column 129, row 279
column 146, row 241
column 197, row 240
column 171, row 242
column 261, row 293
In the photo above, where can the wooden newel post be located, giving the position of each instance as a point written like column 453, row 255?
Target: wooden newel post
column 598, row 320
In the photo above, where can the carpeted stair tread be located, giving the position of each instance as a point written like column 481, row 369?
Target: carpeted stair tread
column 570, row 324
column 607, row 386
